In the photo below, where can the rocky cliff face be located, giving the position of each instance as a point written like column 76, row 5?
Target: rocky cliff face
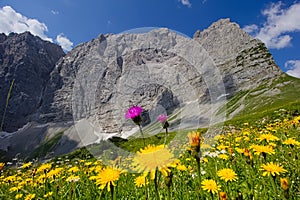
column 100, row 79
column 244, row 62
column 28, row 60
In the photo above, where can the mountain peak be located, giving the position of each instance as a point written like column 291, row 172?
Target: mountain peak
column 237, row 54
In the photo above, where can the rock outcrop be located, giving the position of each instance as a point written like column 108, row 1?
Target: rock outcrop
column 28, row 60
column 244, row 62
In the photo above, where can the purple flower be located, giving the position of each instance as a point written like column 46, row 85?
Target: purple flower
column 134, row 113
column 162, row 118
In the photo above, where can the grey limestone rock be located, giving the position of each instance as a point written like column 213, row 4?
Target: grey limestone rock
column 244, row 61
column 28, row 60
column 100, row 79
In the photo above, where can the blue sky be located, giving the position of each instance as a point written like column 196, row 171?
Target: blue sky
column 70, row 22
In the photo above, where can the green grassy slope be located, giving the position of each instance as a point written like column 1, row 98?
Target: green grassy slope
column 281, row 93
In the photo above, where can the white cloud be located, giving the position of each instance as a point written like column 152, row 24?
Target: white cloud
column 64, row 42
column 251, row 29
column 293, row 68
column 280, row 22
column 186, row 3
column 11, row 21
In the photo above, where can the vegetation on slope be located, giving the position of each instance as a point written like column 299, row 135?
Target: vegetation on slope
column 281, row 93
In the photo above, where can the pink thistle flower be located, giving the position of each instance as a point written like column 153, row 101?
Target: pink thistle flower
column 162, row 118
column 134, row 113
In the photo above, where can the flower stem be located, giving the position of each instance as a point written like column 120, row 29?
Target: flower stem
column 155, row 184
column 166, row 135
column 142, row 134
column 274, row 184
column 146, row 189
column 112, row 191
column 198, row 170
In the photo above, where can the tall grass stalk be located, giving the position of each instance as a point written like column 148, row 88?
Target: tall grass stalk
column 6, row 105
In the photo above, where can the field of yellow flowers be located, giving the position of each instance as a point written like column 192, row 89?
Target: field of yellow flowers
column 247, row 162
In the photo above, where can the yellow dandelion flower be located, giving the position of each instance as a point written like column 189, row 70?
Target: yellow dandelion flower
column 44, row 167
column 27, row 181
column 141, row 181
column 26, row 165
column 10, row 179
column 92, row 178
column 18, row 196
column 98, row 168
column 291, row 141
column 229, row 134
column 248, row 154
column 88, row 163
column 42, row 178
column 272, row 169
column 204, row 160
column 223, row 156
column 296, row 120
column 239, row 150
column 268, row 137
column 210, row 185
column 176, row 164
column 73, row 169
column 181, row 167
column 258, row 149
column 246, row 133
column 284, row 183
column 55, row 172
column 29, row 196
column 227, row 174
column 222, row 147
column 49, row 194
column 238, row 139
column 107, row 177
column 13, row 189
column 151, row 158
column 271, row 129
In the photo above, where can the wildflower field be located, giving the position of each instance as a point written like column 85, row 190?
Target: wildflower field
column 249, row 161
